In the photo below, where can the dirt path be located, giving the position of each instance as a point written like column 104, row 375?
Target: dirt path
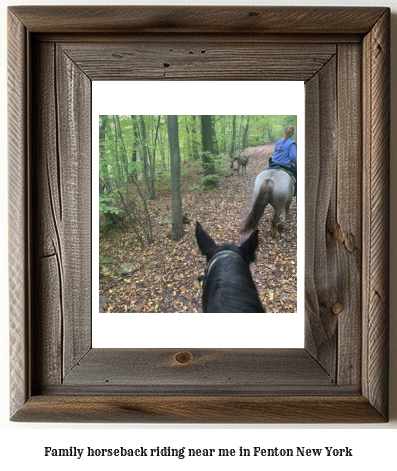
column 165, row 272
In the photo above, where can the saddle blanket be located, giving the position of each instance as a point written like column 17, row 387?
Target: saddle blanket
column 281, row 167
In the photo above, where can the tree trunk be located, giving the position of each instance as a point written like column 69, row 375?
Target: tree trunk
column 209, row 180
column 177, row 231
column 135, row 140
column 146, row 160
column 240, row 134
column 224, row 136
column 103, row 169
column 245, row 137
column 125, row 158
column 116, row 154
column 195, row 146
column 233, row 145
column 215, row 145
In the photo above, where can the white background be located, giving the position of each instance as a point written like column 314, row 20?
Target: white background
column 118, row 330
column 23, row 444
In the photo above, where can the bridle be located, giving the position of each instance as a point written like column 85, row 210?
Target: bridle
column 213, row 260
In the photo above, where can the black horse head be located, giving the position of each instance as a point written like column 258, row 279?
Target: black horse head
column 227, row 283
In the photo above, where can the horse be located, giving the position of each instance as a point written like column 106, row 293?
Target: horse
column 276, row 187
column 227, row 282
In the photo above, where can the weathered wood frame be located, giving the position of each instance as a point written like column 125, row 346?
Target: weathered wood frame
column 342, row 54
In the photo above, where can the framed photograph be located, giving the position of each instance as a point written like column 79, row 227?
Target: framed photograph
column 146, row 286
column 341, row 55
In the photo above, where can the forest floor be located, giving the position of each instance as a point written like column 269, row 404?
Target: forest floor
column 164, row 276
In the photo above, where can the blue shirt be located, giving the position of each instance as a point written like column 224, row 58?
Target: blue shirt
column 287, row 154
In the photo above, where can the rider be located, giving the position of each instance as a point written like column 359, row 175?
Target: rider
column 285, row 152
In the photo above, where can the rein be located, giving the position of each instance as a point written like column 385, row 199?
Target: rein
column 214, row 259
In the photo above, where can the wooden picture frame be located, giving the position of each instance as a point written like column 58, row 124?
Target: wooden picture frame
column 342, row 54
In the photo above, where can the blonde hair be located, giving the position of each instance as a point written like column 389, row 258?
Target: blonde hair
column 288, row 132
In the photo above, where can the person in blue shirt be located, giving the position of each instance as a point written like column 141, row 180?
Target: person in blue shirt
column 285, row 152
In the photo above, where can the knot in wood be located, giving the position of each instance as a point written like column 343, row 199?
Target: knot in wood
column 337, row 308
column 338, row 235
column 183, row 358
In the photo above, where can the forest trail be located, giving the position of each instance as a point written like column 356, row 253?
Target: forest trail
column 164, row 276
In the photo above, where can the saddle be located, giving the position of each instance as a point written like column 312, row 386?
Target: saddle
column 282, row 167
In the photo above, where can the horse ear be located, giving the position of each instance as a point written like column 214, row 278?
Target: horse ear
column 204, row 241
column 249, row 247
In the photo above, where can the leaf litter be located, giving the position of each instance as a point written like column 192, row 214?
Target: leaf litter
column 162, row 277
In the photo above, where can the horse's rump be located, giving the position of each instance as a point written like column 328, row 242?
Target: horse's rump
column 261, row 200
column 274, row 187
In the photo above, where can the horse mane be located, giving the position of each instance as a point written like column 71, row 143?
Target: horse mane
column 227, row 283
column 230, row 288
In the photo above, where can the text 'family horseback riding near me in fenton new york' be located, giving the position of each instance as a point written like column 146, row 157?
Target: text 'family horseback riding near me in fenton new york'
column 185, row 452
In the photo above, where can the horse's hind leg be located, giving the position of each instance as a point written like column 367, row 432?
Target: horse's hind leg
column 274, row 228
column 281, row 223
column 283, row 219
column 278, row 222
column 275, row 223
column 287, row 209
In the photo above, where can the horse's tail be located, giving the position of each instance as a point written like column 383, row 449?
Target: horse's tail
column 260, row 203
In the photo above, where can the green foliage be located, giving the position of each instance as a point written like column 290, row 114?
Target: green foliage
column 164, row 180
column 102, row 260
column 196, row 187
column 105, row 207
column 125, row 155
column 210, row 181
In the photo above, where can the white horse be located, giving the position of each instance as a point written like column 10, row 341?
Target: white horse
column 275, row 187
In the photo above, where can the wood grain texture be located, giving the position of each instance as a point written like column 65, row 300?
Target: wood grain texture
column 346, row 226
column 62, row 257
column 246, row 370
column 376, row 91
column 321, row 277
column 19, row 227
column 74, row 109
column 46, row 201
column 341, row 376
column 333, row 215
column 199, row 409
column 199, row 19
column 215, row 59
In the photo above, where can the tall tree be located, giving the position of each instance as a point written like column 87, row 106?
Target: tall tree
column 102, row 154
column 195, row 143
column 119, row 134
column 215, row 146
column 134, row 143
column 148, row 174
column 245, row 136
column 116, row 154
column 209, row 180
column 176, row 198
column 233, row 143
